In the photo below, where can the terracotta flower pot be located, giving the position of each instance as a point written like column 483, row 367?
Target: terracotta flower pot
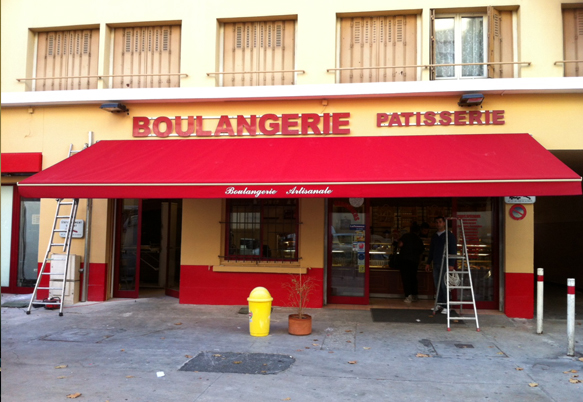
column 300, row 326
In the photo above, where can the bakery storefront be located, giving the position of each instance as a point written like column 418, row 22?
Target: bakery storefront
column 208, row 206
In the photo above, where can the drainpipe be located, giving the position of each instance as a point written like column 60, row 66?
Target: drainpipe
column 87, row 254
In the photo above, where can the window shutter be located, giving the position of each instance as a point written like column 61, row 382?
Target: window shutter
column 259, row 48
column 573, row 41
column 142, row 52
column 432, row 46
column 378, row 42
column 500, row 43
column 66, row 54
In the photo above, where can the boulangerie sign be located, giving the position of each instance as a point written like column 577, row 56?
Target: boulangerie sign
column 287, row 124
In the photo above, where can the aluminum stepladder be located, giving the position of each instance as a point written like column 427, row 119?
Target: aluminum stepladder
column 464, row 274
column 66, row 248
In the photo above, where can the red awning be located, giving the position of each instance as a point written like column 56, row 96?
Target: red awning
column 316, row 166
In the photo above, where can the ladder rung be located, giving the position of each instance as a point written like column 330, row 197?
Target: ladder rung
column 456, row 257
column 461, row 302
column 62, row 216
column 60, row 230
column 58, row 244
column 460, row 287
column 50, row 273
column 65, row 203
column 461, row 318
column 50, row 288
column 44, row 302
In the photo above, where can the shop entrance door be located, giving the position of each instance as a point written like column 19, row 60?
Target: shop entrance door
column 347, row 252
column 148, row 247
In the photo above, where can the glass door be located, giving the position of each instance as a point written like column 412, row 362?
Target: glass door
column 127, row 273
column 148, row 240
column 348, row 252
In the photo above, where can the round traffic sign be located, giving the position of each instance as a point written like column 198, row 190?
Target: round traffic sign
column 517, row 212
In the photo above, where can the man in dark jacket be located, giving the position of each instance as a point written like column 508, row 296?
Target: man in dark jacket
column 436, row 259
column 411, row 248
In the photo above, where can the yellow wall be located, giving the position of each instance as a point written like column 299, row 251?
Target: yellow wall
column 203, row 235
column 519, row 241
column 315, row 38
column 51, row 130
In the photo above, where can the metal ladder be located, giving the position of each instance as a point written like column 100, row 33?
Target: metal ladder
column 465, row 277
column 66, row 246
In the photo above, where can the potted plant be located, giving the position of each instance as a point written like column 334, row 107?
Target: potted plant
column 299, row 289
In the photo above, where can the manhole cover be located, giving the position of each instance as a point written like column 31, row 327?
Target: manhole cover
column 241, row 363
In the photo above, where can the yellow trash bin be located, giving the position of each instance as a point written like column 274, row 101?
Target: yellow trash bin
column 259, row 311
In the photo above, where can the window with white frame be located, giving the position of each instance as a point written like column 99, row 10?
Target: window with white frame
column 460, row 39
column 475, row 44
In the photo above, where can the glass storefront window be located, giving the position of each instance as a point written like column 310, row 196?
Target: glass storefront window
column 478, row 227
column 262, row 230
column 392, row 217
column 28, row 242
column 7, row 198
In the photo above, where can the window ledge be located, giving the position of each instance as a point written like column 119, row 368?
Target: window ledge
column 271, row 269
column 317, row 91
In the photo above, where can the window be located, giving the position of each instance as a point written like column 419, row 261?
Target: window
column 261, row 52
column 469, row 39
column 67, row 60
column 262, row 230
column 573, row 41
column 460, row 39
column 378, row 42
column 147, row 57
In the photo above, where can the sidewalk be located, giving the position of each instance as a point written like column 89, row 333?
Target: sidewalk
column 113, row 351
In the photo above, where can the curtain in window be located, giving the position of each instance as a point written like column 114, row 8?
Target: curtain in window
column 445, row 46
column 472, row 46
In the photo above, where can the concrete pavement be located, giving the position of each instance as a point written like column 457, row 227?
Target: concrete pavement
column 113, row 351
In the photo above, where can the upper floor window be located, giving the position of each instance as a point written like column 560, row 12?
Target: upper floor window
column 258, row 53
column 573, row 41
column 262, row 230
column 146, row 57
column 67, row 60
column 460, row 39
column 387, row 43
column 465, row 42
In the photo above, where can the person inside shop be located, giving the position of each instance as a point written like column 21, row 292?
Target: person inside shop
column 411, row 247
column 424, row 232
column 435, row 261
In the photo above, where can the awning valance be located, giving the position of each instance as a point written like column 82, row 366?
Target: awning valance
column 316, row 166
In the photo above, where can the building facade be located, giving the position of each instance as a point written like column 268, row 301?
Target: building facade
column 226, row 145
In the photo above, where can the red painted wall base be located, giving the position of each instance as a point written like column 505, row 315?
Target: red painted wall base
column 519, row 295
column 97, row 286
column 199, row 285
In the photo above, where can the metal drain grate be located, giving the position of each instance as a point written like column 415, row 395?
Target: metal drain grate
column 241, row 363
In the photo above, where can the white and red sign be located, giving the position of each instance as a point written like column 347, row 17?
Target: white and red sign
column 517, row 212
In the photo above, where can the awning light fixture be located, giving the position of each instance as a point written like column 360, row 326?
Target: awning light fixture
column 114, row 107
column 471, row 100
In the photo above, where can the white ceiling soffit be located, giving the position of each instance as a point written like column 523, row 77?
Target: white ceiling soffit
column 504, row 86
